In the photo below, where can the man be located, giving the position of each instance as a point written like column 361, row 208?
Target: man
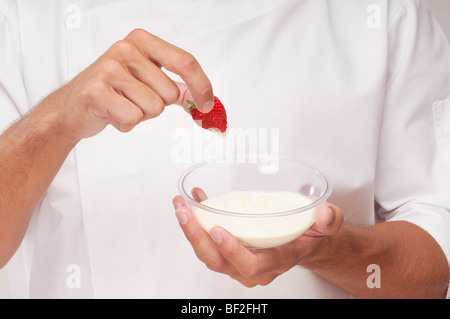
column 361, row 89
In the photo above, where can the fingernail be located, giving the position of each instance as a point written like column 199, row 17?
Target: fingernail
column 182, row 218
column 177, row 205
column 208, row 106
column 331, row 216
column 216, row 236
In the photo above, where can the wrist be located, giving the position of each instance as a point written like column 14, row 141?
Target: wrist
column 350, row 246
column 330, row 249
column 50, row 121
column 321, row 255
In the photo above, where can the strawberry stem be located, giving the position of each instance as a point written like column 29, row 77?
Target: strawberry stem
column 192, row 104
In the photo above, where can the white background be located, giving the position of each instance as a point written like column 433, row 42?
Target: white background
column 441, row 9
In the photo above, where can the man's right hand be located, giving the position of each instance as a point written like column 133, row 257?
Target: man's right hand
column 126, row 86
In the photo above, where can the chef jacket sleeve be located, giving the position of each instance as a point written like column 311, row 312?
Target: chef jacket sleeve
column 413, row 165
column 13, row 97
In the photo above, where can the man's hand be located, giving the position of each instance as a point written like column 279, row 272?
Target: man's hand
column 126, row 86
column 412, row 263
column 123, row 87
column 221, row 251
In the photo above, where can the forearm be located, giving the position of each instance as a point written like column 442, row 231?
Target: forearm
column 31, row 153
column 411, row 264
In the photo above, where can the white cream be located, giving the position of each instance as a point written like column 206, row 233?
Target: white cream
column 258, row 232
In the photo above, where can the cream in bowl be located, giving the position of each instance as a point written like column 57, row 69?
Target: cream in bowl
column 261, row 209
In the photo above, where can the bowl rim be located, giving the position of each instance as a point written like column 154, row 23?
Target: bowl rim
column 317, row 202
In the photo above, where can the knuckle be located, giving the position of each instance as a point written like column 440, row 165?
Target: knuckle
column 265, row 281
column 138, row 33
column 125, row 128
column 135, row 117
column 187, row 60
column 93, row 90
column 130, row 120
column 123, row 48
column 245, row 282
column 172, row 96
column 251, row 272
column 157, row 107
column 249, row 284
column 109, row 67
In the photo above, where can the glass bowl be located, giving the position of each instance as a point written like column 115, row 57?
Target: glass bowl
column 263, row 201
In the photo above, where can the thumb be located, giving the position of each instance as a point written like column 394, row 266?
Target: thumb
column 328, row 221
column 185, row 95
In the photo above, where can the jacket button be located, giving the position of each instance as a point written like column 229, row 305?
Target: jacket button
column 73, row 20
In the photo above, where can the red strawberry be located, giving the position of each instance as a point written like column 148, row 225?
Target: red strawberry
column 215, row 120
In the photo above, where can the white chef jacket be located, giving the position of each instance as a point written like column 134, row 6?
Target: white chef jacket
column 360, row 89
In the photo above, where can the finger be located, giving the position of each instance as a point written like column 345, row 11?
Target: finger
column 336, row 221
column 126, row 115
column 184, row 96
column 329, row 219
column 201, row 242
column 157, row 80
column 118, row 111
column 145, row 71
column 198, row 238
column 199, row 194
column 150, row 102
column 239, row 256
column 265, row 279
column 178, row 201
column 259, row 266
column 244, row 281
column 178, row 61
